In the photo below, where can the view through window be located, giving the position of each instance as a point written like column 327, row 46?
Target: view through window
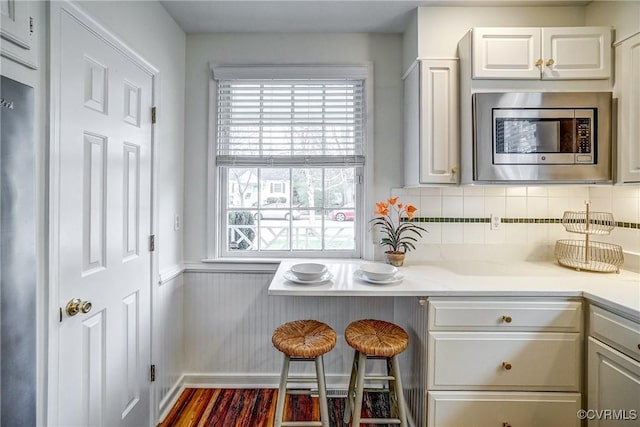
column 290, row 159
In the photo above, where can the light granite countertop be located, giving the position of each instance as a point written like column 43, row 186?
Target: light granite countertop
column 617, row 291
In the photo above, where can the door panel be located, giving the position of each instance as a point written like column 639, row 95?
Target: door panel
column 104, row 219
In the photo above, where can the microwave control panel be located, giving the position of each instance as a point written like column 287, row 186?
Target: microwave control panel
column 583, row 135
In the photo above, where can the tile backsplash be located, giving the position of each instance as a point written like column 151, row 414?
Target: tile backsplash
column 530, row 215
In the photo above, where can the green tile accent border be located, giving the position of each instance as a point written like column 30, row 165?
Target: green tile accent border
column 451, row 220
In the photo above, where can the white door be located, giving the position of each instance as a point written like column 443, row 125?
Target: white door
column 103, row 226
column 506, row 53
column 576, row 53
column 613, row 385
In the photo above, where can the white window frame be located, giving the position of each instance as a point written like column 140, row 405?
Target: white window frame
column 214, row 221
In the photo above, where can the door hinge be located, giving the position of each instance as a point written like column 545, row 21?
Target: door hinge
column 152, row 243
column 152, row 373
column 153, row 115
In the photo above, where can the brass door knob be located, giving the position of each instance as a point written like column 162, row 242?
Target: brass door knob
column 454, row 169
column 539, row 63
column 76, row 306
column 550, row 63
column 506, row 366
column 507, row 319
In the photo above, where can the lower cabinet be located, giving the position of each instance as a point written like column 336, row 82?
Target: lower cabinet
column 613, row 395
column 502, row 409
column 500, row 362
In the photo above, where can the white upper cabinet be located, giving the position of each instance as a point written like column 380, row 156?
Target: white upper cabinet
column 431, row 123
column 628, row 94
column 17, row 32
column 553, row 53
column 16, row 22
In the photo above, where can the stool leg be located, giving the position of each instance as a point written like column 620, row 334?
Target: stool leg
column 322, row 392
column 357, row 406
column 282, row 391
column 393, row 401
column 402, row 414
column 348, row 407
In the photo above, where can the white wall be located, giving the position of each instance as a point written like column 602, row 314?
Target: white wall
column 384, row 51
column 441, row 28
column 147, row 28
column 623, row 15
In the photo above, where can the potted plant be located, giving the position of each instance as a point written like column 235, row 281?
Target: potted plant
column 400, row 234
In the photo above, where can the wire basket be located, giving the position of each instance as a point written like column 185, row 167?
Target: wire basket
column 588, row 222
column 592, row 256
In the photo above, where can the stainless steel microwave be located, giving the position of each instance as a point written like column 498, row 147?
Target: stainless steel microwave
column 542, row 137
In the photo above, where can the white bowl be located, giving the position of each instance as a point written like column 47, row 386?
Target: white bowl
column 309, row 271
column 379, row 272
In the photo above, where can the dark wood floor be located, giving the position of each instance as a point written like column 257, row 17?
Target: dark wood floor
column 207, row 407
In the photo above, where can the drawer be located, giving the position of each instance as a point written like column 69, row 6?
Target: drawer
column 491, row 409
column 618, row 332
column 493, row 315
column 504, row 361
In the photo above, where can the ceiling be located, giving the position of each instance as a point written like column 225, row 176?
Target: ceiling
column 314, row 16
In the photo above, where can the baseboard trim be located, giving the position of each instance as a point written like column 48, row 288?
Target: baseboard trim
column 198, row 380
column 171, row 398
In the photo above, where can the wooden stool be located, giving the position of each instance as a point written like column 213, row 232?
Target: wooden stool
column 375, row 339
column 303, row 341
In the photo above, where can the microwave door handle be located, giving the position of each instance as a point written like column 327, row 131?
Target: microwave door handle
column 532, row 113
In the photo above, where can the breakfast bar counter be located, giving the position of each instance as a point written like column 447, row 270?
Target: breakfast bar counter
column 616, row 291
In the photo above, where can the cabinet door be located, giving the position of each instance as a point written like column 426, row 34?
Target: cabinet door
column 506, row 53
column 614, row 387
column 16, row 25
column 501, row 409
column 576, row 53
column 628, row 94
column 439, row 122
column 16, row 32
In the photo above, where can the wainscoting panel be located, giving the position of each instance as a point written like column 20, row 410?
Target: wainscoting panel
column 170, row 358
column 229, row 319
column 411, row 314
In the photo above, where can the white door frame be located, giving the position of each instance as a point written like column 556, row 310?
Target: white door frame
column 57, row 8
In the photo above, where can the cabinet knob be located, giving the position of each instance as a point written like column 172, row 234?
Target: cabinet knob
column 506, row 366
column 507, row 319
column 550, row 63
column 454, row 169
column 539, row 63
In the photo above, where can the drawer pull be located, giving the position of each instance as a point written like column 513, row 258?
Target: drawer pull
column 506, row 425
column 506, row 366
column 507, row 319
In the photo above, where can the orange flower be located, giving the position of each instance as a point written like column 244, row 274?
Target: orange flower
column 382, row 208
column 410, row 211
column 392, row 201
column 399, row 205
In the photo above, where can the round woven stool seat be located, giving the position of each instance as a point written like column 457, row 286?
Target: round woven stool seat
column 304, row 338
column 376, row 337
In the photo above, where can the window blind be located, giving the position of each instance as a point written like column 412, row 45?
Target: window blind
column 290, row 122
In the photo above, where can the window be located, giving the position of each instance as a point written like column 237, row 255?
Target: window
column 289, row 161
